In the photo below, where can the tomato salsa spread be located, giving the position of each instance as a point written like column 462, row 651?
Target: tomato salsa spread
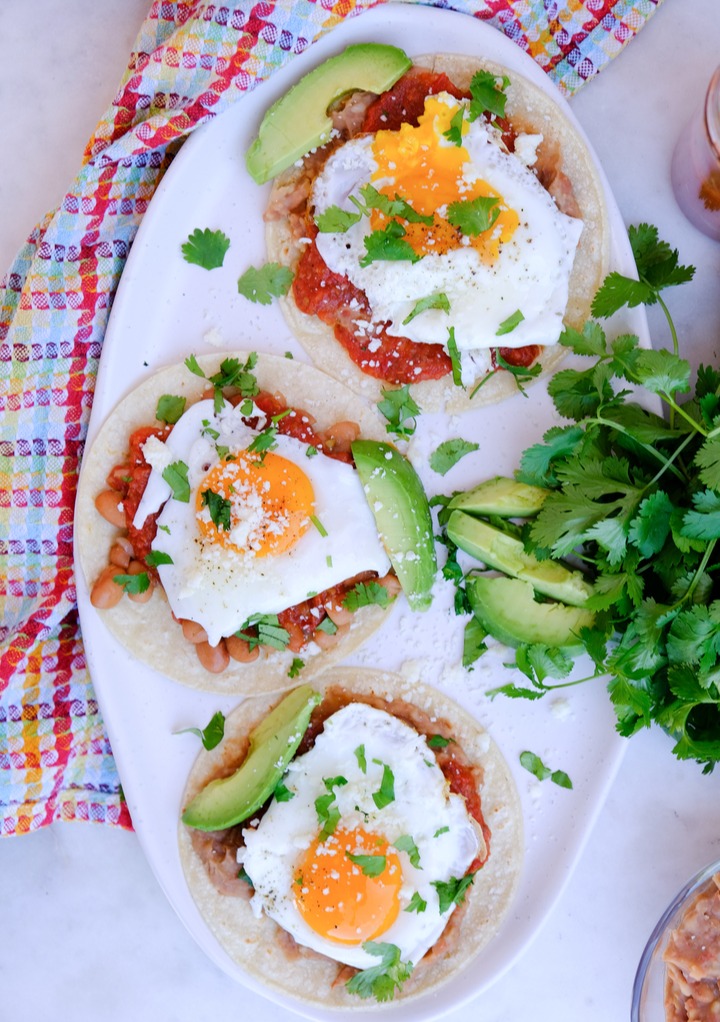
column 330, row 296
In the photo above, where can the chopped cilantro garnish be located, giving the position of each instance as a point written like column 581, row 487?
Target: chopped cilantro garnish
column 388, row 245
column 176, row 476
column 452, row 891
column 406, row 844
column 537, row 768
column 219, row 508
column 488, row 94
column 474, row 216
column 133, row 585
column 206, row 248
column 295, row 667
column 335, row 220
column 386, row 792
column 454, row 132
column 326, row 808
column 390, row 207
column 328, row 626
column 319, row 525
column 364, row 594
column 416, row 904
column 156, row 557
column 370, row 865
column 269, row 632
column 454, row 358
column 212, row 734
column 282, row 792
column 170, row 408
column 400, row 410
column 508, row 325
column 271, row 281
column 441, row 830
column 473, row 642
column 449, row 453
column 360, row 757
column 381, row 981
column 436, row 301
column 438, row 741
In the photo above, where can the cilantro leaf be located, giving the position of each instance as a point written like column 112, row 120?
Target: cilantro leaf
column 454, row 133
column 400, row 409
column 156, row 557
column 488, row 94
column 381, row 981
column 406, row 844
column 393, row 207
column 388, row 245
column 176, row 476
column 436, row 301
column 438, row 742
column 213, row 732
column 360, row 757
column 366, row 594
column 386, row 792
column 370, row 865
column 708, row 458
column 206, row 248
column 335, row 220
column 219, row 507
column 170, row 408
column 133, row 585
column 416, row 903
column 262, row 285
column 326, row 808
column 295, row 667
column 474, row 216
column 508, row 325
column 449, row 453
column 473, row 642
column 452, row 891
column 269, row 632
column 537, row 768
column 455, row 360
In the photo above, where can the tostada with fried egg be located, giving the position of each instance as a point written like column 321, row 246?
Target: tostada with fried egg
column 443, row 235
column 224, row 531
column 378, row 856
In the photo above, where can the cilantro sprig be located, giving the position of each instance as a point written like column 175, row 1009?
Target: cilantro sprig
column 206, row 248
column 382, row 980
column 635, row 499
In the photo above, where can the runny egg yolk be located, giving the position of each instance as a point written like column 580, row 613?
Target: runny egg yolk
column 344, row 899
column 254, row 503
column 428, row 172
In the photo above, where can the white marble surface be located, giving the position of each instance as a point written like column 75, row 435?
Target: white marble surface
column 87, row 932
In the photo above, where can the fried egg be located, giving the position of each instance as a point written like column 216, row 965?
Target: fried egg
column 252, row 532
column 504, row 284
column 365, row 829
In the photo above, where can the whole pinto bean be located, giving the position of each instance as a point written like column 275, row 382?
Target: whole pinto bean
column 121, row 552
column 240, row 650
column 192, row 631
column 213, row 658
column 106, row 592
column 109, row 505
column 391, row 583
column 340, row 435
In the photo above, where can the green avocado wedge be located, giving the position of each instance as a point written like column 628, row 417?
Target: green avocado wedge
column 506, row 608
column 299, row 122
column 503, row 497
column 273, row 743
column 402, row 515
column 505, row 553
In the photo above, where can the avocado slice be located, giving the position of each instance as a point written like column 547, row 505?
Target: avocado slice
column 506, row 608
column 402, row 515
column 273, row 743
column 298, row 121
column 503, row 497
column 498, row 550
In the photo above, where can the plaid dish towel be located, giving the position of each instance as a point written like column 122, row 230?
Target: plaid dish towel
column 192, row 59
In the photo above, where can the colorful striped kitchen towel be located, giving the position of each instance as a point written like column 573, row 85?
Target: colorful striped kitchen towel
column 192, row 60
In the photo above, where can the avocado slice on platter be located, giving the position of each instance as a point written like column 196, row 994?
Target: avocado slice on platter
column 402, row 514
column 507, row 609
column 502, row 497
column 299, row 121
column 273, row 743
column 505, row 553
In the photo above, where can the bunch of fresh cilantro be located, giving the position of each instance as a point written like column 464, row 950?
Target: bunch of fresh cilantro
column 635, row 501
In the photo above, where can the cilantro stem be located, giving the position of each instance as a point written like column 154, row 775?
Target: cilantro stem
column 675, row 407
column 668, row 461
column 611, row 424
column 698, row 573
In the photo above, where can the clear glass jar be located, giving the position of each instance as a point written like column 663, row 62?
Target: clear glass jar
column 695, row 170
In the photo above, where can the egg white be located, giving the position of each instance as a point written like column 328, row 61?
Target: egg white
column 219, row 587
column 531, row 273
column 423, row 806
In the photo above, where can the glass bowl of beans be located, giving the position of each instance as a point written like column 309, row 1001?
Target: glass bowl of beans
column 678, row 978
